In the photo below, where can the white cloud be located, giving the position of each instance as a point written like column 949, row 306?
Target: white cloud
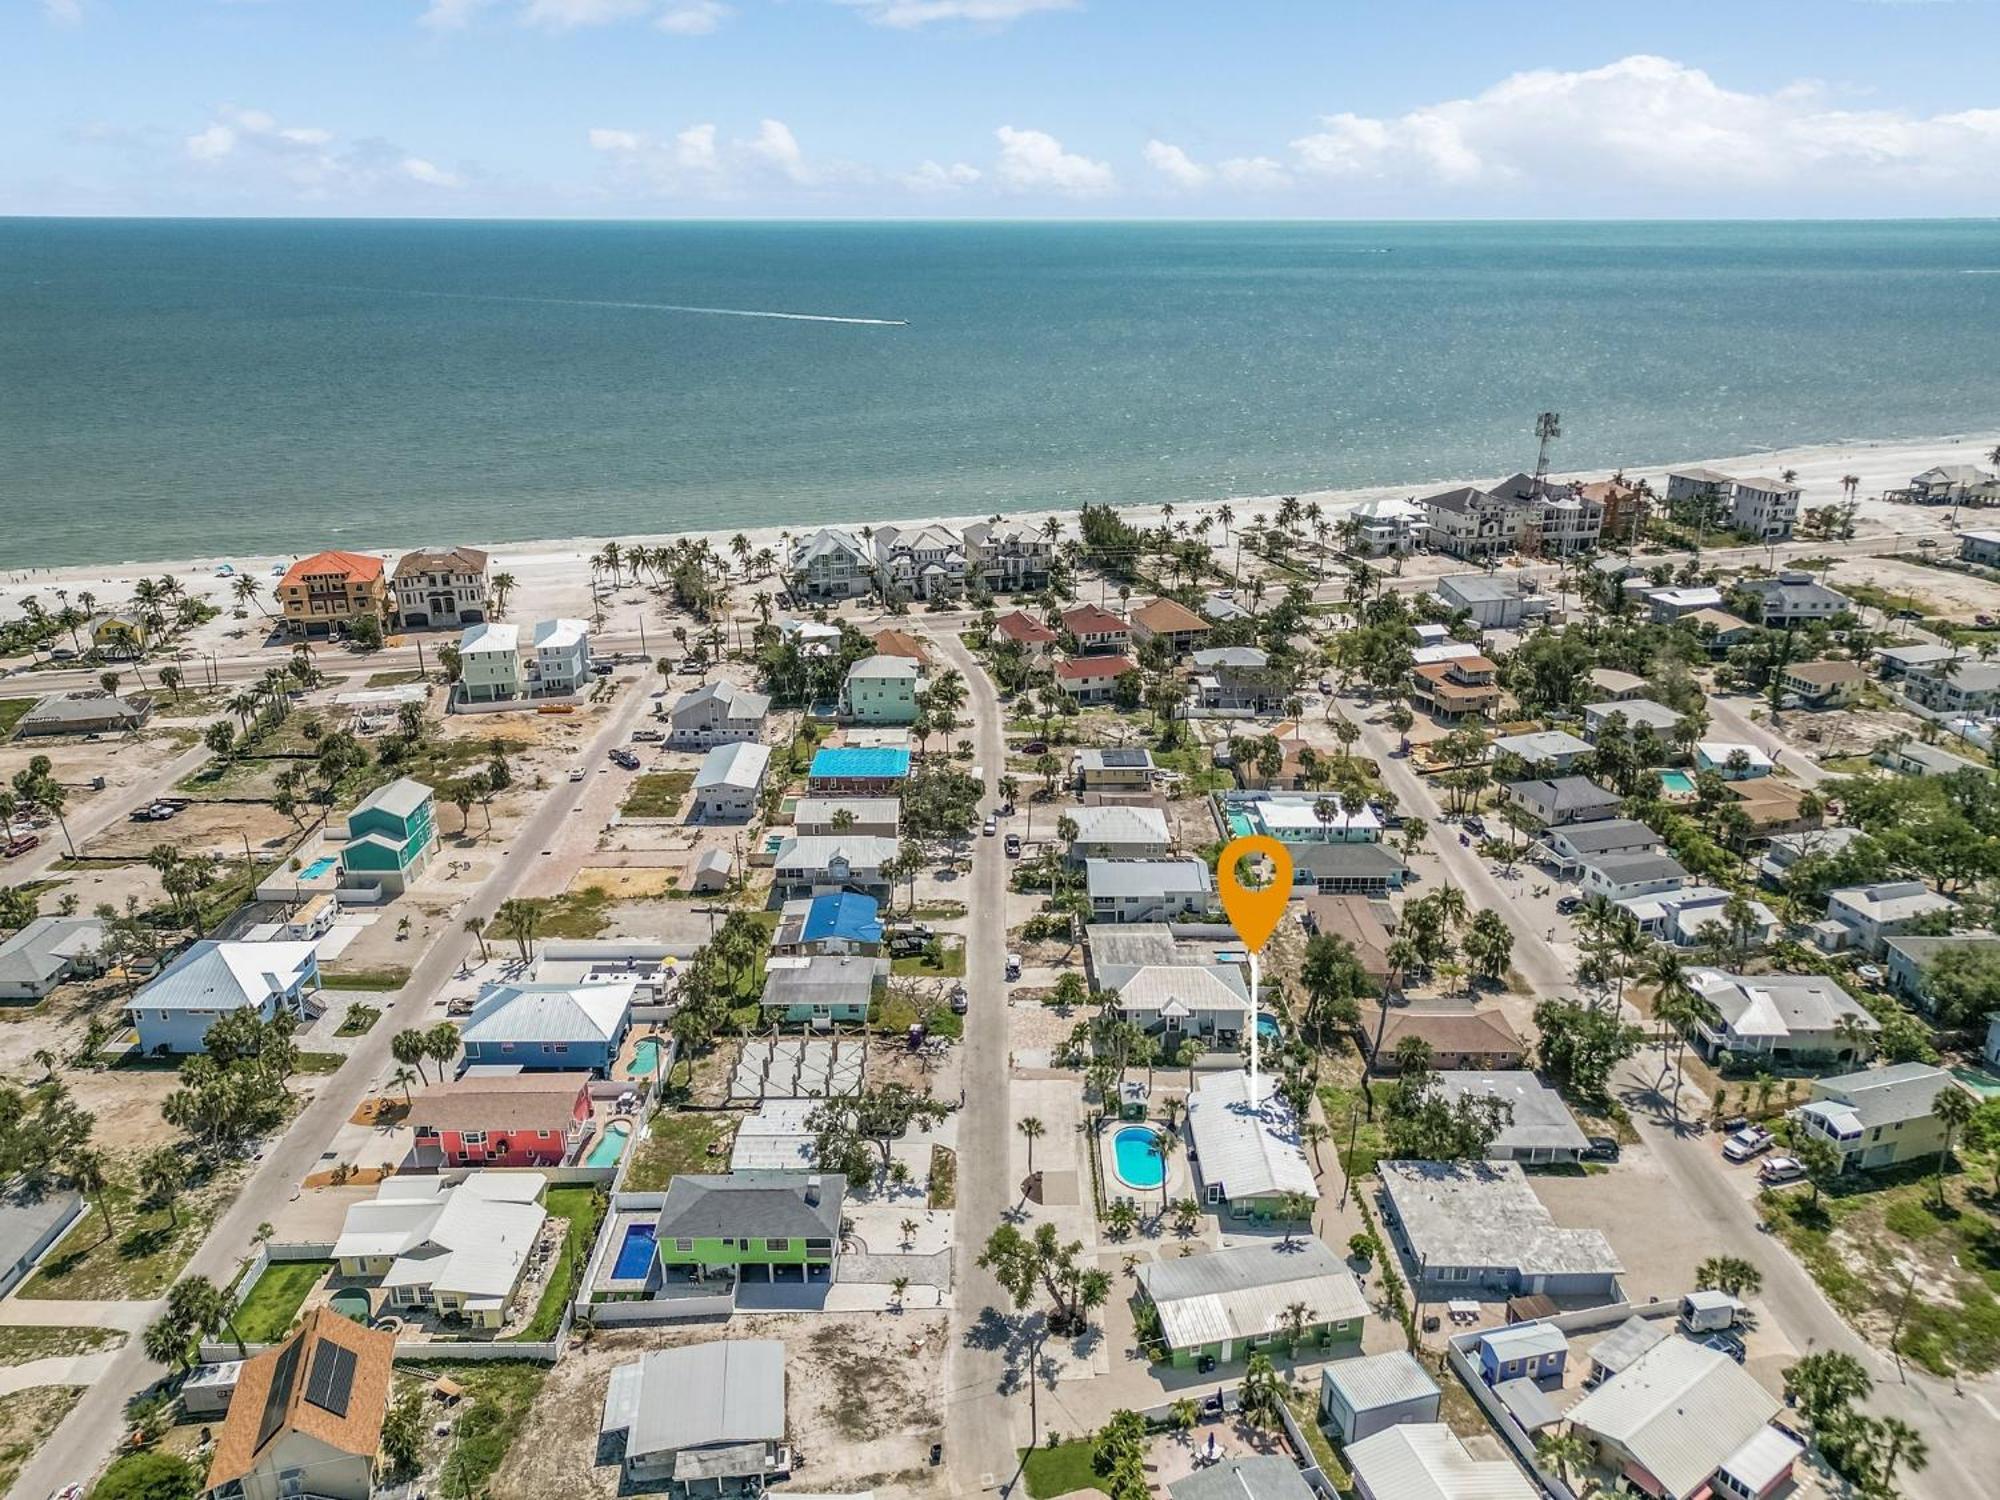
column 694, row 17
column 1649, row 123
column 697, row 161
column 1253, row 174
column 1174, row 164
column 935, row 177
column 1033, row 161
column 450, row 15
column 567, row 15
column 615, row 140
column 418, row 170
column 778, row 148
column 694, row 149
column 911, row 13
column 211, row 144
column 251, row 154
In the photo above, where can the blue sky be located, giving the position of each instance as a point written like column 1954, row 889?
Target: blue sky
column 990, row 108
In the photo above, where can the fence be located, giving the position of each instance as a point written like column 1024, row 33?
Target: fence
column 267, row 1253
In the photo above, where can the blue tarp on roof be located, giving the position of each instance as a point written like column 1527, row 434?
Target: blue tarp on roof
column 871, row 761
column 843, row 914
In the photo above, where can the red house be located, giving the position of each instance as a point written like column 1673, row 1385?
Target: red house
column 1096, row 629
column 1025, row 630
column 501, row 1119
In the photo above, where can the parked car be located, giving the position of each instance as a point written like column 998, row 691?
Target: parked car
column 577, row 773
column 1927, row 542
column 1013, row 966
column 1013, row 846
column 1601, row 1148
column 689, row 664
column 1779, row 1169
column 1869, row 973
column 1476, row 826
column 1906, row 614
column 62, row 653
column 626, row 759
column 989, row 827
column 1568, row 904
column 1326, row 686
column 1726, row 1343
column 1752, row 1140
column 21, row 843
column 648, row 736
column 601, row 669
column 959, row 999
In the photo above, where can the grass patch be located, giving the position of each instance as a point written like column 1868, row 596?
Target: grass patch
column 1305, row 1411
column 574, row 914
column 364, row 979
column 26, row 1419
column 1198, row 774
column 12, row 711
column 1049, row 1472
column 944, row 1178
column 360, row 1020
column 138, row 1257
column 950, row 962
column 319, row 1063
column 498, row 1393
column 24, row 1345
column 268, row 1313
column 677, row 1143
column 1370, row 1139
column 657, row 794
column 582, row 1206
column 896, row 1014
column 937, row 911
column 395, row 679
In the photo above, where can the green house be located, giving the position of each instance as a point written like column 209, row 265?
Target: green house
column 391, row 836
column 1229, row 1304
column 786, row 1223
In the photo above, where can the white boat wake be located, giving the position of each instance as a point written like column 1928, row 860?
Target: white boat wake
column 671, row 307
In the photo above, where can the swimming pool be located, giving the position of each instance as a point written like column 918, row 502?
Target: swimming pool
column 1267, row 1026
column 610, row 1146
column 1677, row 783
column 1240, row 826
column 645, row 1058
column 352, row 1304
column 317, row 868
column 635, row 1254
column 1139, row 1166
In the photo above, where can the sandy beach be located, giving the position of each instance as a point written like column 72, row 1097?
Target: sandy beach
column 553, row 577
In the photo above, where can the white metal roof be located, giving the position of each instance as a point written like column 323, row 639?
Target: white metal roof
column 472, row 1238
column 551, row 1012
column 1249, row 1149
column 1378, row 1380
column 740, row 766
column 1243, row 1292
column 1426, row 1461
column 226, row 976
column 1681, row 1409
column 727, row 1391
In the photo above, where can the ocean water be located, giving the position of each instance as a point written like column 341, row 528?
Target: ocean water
column 189, row 388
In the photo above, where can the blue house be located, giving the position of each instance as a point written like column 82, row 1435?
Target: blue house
column 172, row 1014
column 559, row 1026
column 861, row 771
column 837, row 922
column 1523, row 1351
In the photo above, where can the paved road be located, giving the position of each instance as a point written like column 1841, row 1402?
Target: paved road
column 104, row 811
column 94, row 1424
column 980, row 1442
column 1728, row 720
column 1963, row 1431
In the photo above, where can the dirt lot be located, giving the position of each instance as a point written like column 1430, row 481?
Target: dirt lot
column 217, row 828
column 862, row 1404
column 1938, row 592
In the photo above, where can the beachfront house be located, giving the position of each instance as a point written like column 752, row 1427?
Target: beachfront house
column 919, row 562
column 766, row 1226
column 391, row 835
column 1947, row 484
column 1804, row 1018
column 704, row 1418
column 1148, row 890
column 455, row 1250
column 305, row 1417
column 1872, row 914
column 1093, row 679
column 730, row 782
column 121, row 634
column 1382, row 528
column 1981, row 548
column 561, row 663
column 439, row 588
column 1232, row 1303
column 881, row 690
column 1698, row 484
column 1248, row 1156
column 329, row 591
column 1474, row 525
column 1764, row 508
column 1880, row 1117
column 1361, row 1397
column 489, row 1118
column 550, row 1026
column 1114, row 832
column 1007, row 558
column 717, row 713
column 489, row 662
column 172, row 1013
column 833, row 862
column 831, row 564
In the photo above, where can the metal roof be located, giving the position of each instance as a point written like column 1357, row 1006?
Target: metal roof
column 729, row 1391
column 1681, row 1409
column 1378, row 1380
column 41, row 951
column 1260, row 1476
column 401, row 798
column 1426, row 1461
column 1243, row 1292
column 226, row 976
column 1146, row 877
column 1248, row 1148
column 551, row 1012
column 739, row 766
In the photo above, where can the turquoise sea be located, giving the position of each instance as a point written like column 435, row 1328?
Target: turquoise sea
column 186, row 388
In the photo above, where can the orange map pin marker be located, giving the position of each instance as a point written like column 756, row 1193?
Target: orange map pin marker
column 1254, row 911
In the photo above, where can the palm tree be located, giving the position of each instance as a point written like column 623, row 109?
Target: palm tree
column 162, row 1174
column 1031, row 1130
column 477, row 928
column 87, row 1173
column 1900, row 1442
column 1953, row 1109
column 402, row 1078
column 1564, row 1451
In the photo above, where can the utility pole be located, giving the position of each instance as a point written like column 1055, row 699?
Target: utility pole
column 1548, row 427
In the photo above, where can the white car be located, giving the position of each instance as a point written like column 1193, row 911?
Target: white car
column 1780, row 1169
column 1751, row 1140
column 577, row 773
column 991, row 827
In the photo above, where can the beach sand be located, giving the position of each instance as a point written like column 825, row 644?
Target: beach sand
column 554, row 577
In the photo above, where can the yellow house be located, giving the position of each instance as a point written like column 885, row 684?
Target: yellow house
column 332, row 589
column 121, row 635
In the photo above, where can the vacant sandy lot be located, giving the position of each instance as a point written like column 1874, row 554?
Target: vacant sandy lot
column 1938, row 592
column 862, row 1404
column 218, row 828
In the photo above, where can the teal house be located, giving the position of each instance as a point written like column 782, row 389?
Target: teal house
column 817, row 989
column 1237, row 1302
column 760, row 1226
column 391, row 836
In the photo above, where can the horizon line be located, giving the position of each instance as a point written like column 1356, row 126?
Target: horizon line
column 968, row 220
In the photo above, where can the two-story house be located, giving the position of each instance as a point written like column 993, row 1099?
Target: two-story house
column 551, row 1027
column 305, row 1419
column 391, row 835
column 838, row 862
column 1179, row 628
column 1495, row 601
column 1119, row 769
column 919, row 562
column 1024, row 630
column 1236, row 680
column 1823, row 684
column 717, row 713
column 1457, row 688
column 1384, row 528
column 501, row 1119
column 173, row 1012
column 1872, row 914
column 1114, row 832
column 562, row 657
column 438, row 588
column 489, row 662
column 330, row 590
column 1093, row 679
column 1620, row 877
column 1148, row 890
column 1961, row 688
column 881, row 690
column 748, row 1225
column 1097, row 630
column 1879, row 1117
column 1793, row 598
column 1782, row 1017
column 831, row 564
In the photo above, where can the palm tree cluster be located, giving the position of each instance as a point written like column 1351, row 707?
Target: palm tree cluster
column 236, row 1088
column 1867, row 1451
column 414, row 1046
column 197, row 1309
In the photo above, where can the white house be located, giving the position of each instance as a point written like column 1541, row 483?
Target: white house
column 1115, row 832
column 831, row 564
column 562, row 656
column 1620, row 877
column 1732, row 760
column 173, row 1012
column 1206, row 1002
column 1148, row 890
column 489, row 661
column 1793, row 598
column 438, row 587
column 1670, row 604
column 717, row 713
column 457, row 1250
column 1495, row 601
column 1384, row 527
column 1427, row 1461
column 1361, row 1397
column 848, row 861
column 730, row 781
column 1247, row 1147
column 1007, row 558
column 920, row 562
column 1638, row 713
column 1766, row 508
column 1554, row 749
column 1691, row 915
column 1890, row 908
column 1786, row 1017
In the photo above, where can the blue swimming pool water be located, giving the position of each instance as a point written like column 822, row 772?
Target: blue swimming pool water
column 645, row 1058
column 1267, row 1026
column 1240, row 826
column 610, row 1145
column 635, row 1253
column 317, row 868
column 1132, row 1152
column 1676, row 781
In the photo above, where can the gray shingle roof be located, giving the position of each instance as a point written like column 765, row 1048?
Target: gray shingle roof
column 771, row 1205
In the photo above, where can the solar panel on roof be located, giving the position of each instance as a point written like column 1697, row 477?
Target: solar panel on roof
column 332, row 1378
column 1125, row 758
column 283, row 1376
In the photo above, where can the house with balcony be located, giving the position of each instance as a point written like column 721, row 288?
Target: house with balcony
column 1007, row 558
column 121, row 634
column 1476, row 525
column 500, row 1118
column 838, row 862
column 1879, row 1117
column 1346, row 869
column 831, row 564
column 562, row 657
column 1093, row 679
column 1207, row 1002
column 1764, row 508
column 172, row 1012
column 553, row 1027
column 919, row 562
column 1823, row 684
column 1388, row 528
column 1148, row 890
column 1228, row 1304
column 1466, row 686
column 1236, row 680
column 763, row 1226
column 881, row 690
column 1626, row 508
column 1695, row 914
column 1570, row 521
column 1118, row 769
column 305, row 1418
column 1024, row 630
column 1907, row 961
column 858, row 771
column 489, row 662
column 1793, row 598
column 1556, row 802
column 456, row 1250
column 329, row 591
column 1170, row 622
column 1782, row 1017
column 1696, row 486
column 730, row 783
column 1872, row 914
column 1568, row 845
column 1981, row 548
column 1097, row 630
column 391, row 836
column 1496, row 601
column 717, row 713
column 1967, row 688
column 441, row 588
column 1620, row 877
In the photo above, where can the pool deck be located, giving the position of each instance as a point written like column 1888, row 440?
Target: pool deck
column 640, row 1032
column 606, row 1281
column 1180, row 1182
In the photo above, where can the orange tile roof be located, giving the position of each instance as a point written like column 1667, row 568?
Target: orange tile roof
column 1025, row 628
column 900, row 643
column 1167, row 617
column 356, row 565
column 358, row 1430
column 1078, row 668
